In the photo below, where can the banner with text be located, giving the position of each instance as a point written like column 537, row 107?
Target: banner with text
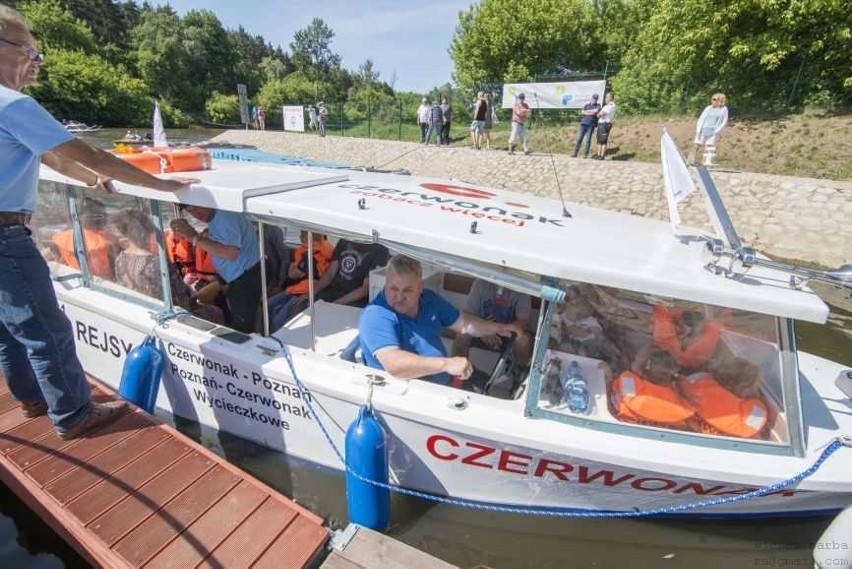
column 564, row 95
column 294, row 117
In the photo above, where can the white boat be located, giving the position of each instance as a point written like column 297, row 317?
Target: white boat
column 78, row 127
column 528, row 450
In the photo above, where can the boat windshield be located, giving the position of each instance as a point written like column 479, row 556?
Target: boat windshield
column 659, row 364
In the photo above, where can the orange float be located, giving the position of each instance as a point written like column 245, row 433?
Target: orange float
column 166, row 160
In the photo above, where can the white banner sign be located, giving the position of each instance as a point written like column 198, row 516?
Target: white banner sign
column 294, row 117
column 565, row 95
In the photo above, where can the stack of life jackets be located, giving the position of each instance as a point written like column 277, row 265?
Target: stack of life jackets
column 97, row 251
column 712, row 409
column 695, row 354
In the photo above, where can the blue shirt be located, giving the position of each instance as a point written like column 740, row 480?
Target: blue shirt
column 26, row 132
column 381, row 326
column 232, row 228
column 590, row 119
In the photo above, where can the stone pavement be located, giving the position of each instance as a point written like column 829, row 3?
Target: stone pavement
column 794, row 218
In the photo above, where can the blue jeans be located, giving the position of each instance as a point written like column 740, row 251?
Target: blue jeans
column 585, row 130
column 37, row 352
column 436, row 128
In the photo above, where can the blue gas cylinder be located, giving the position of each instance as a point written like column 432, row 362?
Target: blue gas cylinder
column 140, row 378
column 367, row 455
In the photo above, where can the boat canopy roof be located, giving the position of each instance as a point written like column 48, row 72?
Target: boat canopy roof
column 495, row 228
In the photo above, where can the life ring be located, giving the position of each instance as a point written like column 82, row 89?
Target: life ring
column 166, row 160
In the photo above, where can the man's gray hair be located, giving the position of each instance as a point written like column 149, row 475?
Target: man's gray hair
column 403, row 265
column 11, row 16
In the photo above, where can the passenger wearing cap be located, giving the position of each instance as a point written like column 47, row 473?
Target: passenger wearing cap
column 587, row 125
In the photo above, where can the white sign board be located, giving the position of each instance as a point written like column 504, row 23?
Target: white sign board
column 565, row 95
column 294, row 117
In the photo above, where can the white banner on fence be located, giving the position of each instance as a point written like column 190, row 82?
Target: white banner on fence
column 565, row 95
column 294, row 117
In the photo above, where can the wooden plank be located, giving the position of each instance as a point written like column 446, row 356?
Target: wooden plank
column 336, row 561
column 208, row 531
column 373, row 549
column 251, row 538
column 295, row 547
column 78, row 480
column 11, row 419
column 101, row 497
column 127, row 514
column 7, row 402
column 93, row 444
column 158, row 530
column 29, row 432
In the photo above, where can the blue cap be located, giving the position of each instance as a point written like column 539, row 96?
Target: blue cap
column 595, row 96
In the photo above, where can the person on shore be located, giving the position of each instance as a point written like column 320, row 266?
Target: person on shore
column 477, row 126
column 436, row 123
column 606, row 116
column 233, row 244
column 447, row 117
column 312, row 117
column 400, row 330
column 588, row 123
column 489, row 120
column 710, row 124
column 37, row 356
column 322, row 116
column 520, row 114
column 423, row 118
column 261, row 118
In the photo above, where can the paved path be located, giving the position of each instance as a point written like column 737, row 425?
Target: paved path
column 794, row 218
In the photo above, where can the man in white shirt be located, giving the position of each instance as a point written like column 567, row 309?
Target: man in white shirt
column 423, row 112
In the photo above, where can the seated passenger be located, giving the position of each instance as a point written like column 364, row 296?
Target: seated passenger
column 498, row 304
column 649, row 393
column 99, row 245
column 347, row 280
column 283, row 305
column 138, row 269
column 400, row 329
column 686, row 335
column 726, row 400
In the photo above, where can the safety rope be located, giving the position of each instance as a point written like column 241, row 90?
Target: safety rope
column 842, row 441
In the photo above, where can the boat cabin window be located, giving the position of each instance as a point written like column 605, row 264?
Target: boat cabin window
column 614, row 357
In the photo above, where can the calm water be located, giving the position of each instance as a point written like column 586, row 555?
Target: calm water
column 471, row 538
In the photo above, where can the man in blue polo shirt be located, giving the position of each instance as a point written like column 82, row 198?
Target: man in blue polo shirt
column 588, row 122
column 400, row 330
column 234, row 246
column 37, row 355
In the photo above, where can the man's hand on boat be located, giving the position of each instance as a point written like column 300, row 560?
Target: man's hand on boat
column 458, row 367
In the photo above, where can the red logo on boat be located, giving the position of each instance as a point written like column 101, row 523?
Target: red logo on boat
column 465, row 192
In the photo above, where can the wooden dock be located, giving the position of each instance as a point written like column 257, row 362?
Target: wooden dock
column 136, row 493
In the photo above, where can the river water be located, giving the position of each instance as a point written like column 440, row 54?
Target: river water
column 470, row 538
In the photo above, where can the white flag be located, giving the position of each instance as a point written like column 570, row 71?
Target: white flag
column 159, row 132
column 676, row 177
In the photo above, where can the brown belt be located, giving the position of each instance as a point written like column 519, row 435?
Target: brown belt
column 14, row 218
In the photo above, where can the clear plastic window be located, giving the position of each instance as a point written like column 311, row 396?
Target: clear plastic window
column 621, row 357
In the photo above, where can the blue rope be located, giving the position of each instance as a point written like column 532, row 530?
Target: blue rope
column 827, row 452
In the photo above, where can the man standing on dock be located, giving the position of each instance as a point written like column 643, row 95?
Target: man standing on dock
column 37, row 355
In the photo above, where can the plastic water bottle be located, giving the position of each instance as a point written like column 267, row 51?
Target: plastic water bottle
column 576, row 390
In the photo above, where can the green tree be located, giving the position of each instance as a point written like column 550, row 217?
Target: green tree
column 311, row 48
column 55, row 27
column 209, row 58
column 223, row 108
column 160, row 56
column 506, row 40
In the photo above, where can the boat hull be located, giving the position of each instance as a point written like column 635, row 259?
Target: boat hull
column 493, row 455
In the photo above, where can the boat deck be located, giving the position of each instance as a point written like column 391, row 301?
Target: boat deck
column 136, row 493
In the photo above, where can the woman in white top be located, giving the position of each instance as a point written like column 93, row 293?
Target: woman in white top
column 711, row 122
column 606, row 116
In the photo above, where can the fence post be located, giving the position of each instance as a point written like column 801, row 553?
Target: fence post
column 399, row 121
column 369, row 117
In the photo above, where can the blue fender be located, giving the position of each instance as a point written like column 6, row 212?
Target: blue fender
column 140, row 378
column 367, row 455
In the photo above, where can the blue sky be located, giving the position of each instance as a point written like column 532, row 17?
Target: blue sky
column 402, row 36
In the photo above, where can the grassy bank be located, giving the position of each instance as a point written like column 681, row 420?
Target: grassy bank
column 800, row 145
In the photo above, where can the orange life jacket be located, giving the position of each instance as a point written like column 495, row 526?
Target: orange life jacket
column 695, row 354
column 323, row 251
column 722, row 412
column 97, row 251
column 179, row 251
column 204, row 263
column 639, row 400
